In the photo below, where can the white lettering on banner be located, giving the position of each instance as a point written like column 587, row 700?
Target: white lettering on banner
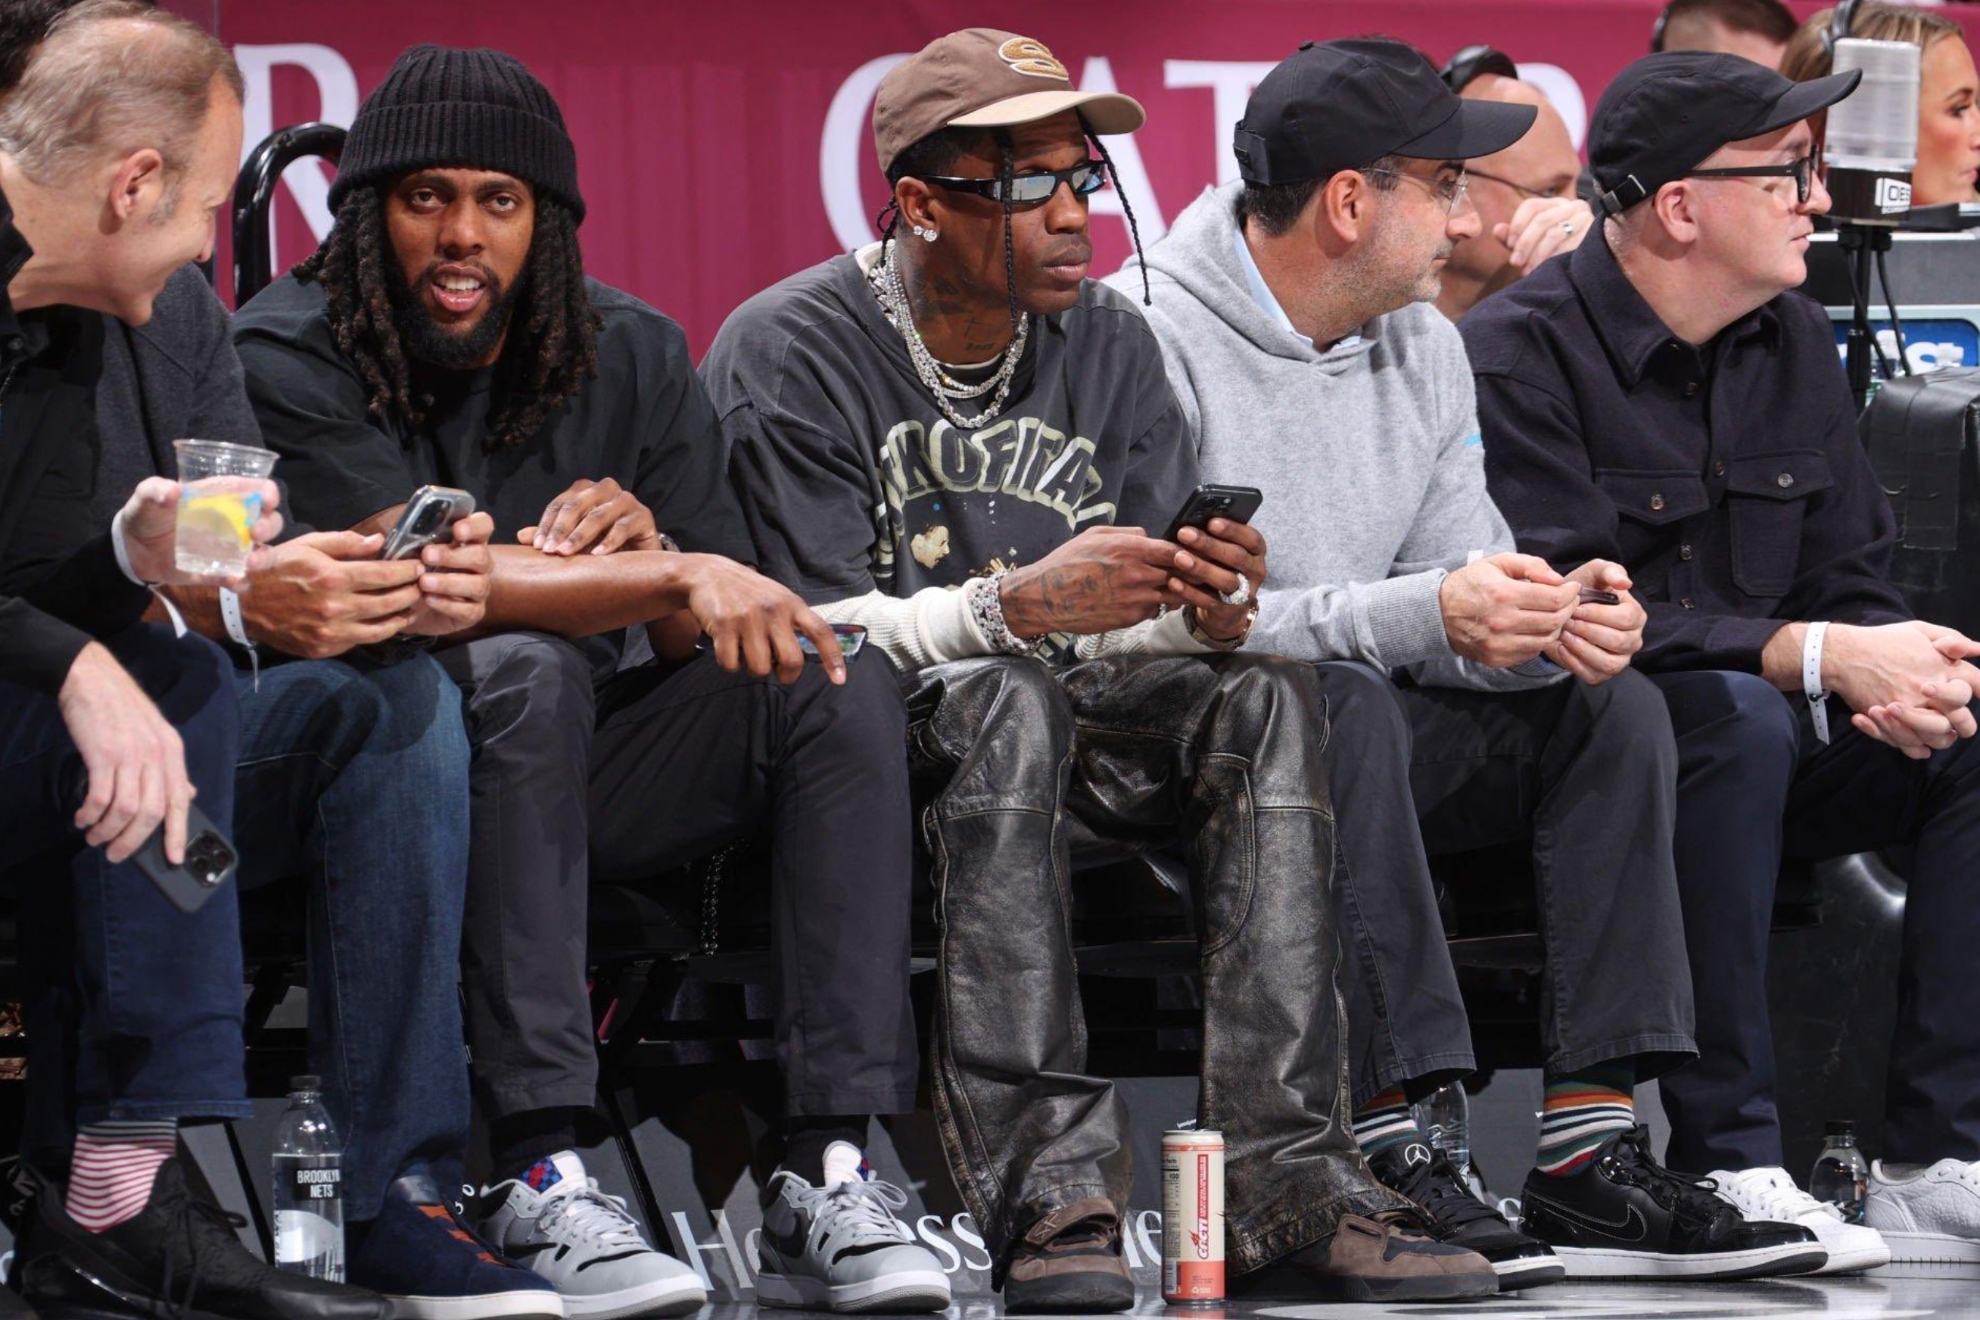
column 970, row 1237
column 842, row 152
column 1564, row 93
column 308, row 181
column 687, row 1249
column 1230, row 83
column 1148, row 1232
column 1098, row 76
column 939, row 1244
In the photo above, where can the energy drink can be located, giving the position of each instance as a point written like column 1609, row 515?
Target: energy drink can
column 1192, row 1217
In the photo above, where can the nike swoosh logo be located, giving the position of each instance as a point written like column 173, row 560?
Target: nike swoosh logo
column 1614, row 1229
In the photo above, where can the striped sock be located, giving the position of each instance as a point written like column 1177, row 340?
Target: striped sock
column 115, row 1165
column 1385, row 1121
column 1583, row 1110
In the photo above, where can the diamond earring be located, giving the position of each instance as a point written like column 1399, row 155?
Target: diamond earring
column 918, row 231
column 928, row 234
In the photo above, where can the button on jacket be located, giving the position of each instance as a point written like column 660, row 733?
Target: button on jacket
column 1727, row 477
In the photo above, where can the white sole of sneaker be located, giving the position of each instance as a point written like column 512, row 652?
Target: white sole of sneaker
column 1855, row 1262
column 533, row 1303
column 1532, row 1272
column 1762, row 1262
column 1930, row 1248
column 674, row 1296
column 904, row 1290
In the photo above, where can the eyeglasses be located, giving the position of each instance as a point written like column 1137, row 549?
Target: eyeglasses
column 1448, row 191
column 1802, row 171
column 1519, row 188
column 1030, row 189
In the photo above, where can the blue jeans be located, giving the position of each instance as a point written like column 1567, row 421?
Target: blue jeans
column 356, row 777
column 132, row 1007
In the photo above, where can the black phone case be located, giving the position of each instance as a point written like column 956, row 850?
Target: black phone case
column 178, row 884
column 1203, row 505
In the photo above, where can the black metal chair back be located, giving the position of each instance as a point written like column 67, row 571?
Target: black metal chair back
column 254, row 199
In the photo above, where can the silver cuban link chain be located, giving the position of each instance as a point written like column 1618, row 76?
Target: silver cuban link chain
column 891, row 293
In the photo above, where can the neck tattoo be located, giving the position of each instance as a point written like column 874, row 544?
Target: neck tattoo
column 885, row 281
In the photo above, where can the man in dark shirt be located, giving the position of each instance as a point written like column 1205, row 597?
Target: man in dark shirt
column 1661, row 399
column 956, row 439
column 108, row 727
column 446, row 333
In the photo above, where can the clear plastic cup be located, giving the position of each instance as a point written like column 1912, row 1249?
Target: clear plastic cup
column 219, row 503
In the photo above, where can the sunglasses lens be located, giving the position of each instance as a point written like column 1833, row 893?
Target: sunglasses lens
column 1091, row 179
column 1028, row 189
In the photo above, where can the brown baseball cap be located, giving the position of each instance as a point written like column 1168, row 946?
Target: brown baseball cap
column 983, row 78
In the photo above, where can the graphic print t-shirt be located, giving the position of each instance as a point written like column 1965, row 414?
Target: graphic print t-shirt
column 853, row 481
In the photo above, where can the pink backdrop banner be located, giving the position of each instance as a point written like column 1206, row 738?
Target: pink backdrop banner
column 722, row 147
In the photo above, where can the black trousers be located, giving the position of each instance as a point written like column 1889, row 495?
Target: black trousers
column 1035, row 768
column 661, row 764
column 1588, row 774
column 1756, row 785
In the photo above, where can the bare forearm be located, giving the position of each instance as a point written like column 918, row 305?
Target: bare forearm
column 581, row 595
column 674, row 637
column 1780, row 659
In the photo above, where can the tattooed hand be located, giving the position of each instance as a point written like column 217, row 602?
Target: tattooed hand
column 1104, row 578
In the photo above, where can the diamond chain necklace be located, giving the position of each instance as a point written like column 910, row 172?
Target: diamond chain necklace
column 891, row 293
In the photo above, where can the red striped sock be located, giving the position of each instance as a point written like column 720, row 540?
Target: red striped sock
column 115, row 1165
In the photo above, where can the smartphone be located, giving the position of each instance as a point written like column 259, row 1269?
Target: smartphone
column 210, row 859
column 1591, row 596
column 1238, row 503
column 851, row 637
column 430, row 514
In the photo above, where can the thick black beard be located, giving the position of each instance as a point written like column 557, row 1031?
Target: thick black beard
column 437, row 347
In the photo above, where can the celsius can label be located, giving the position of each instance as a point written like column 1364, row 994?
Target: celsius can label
column 1192, row 1216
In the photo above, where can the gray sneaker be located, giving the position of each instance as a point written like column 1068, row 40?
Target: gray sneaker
column 840, row 1247
column 555, row 1221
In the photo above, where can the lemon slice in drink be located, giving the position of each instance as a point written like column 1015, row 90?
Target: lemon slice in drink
column 217, row 516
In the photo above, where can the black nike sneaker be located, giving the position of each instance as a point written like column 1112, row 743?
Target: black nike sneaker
column 1426, row 1176
column 179, row 1257
column 1624, row 1216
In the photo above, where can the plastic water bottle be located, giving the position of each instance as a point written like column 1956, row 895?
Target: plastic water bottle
column 309, row 1186
column 1445, row 1117
column 1841, row 1175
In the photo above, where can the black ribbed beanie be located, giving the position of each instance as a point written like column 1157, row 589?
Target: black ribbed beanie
column 471, row 109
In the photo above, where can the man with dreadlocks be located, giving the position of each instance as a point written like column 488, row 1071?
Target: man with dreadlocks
column 446, row 332
column 956, row 439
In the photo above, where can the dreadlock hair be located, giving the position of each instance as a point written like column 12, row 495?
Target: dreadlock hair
column 551, row 348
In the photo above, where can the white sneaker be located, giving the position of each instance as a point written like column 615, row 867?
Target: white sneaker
column 1931, row 1215
column 840, row 1247
column 1769, row 1195
column 556, row 1222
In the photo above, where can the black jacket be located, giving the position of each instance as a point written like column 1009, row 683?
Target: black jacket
column 53, row 599
column 1726, row 477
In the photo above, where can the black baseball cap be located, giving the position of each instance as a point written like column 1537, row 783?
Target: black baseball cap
column 1333, row 105
column 1667, row 112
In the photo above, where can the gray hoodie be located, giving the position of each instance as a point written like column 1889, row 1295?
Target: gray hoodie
column 1368, row 454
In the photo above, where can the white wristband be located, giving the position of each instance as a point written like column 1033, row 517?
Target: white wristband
column 230, row 618
column 123, row 553
column 1811, row 680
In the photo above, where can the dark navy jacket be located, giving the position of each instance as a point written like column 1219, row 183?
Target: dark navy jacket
column 1726, row 477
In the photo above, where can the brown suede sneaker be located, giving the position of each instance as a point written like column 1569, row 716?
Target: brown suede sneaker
column 1387, row 1258
column 1071, row 1261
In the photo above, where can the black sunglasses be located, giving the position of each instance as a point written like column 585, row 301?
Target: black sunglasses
column 1802, row 171
column 1030, row 189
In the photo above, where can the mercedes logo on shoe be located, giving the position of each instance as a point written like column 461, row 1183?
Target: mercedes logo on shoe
column 1415, row 1154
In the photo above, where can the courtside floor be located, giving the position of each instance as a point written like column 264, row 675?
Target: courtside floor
column 1913, row 1292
